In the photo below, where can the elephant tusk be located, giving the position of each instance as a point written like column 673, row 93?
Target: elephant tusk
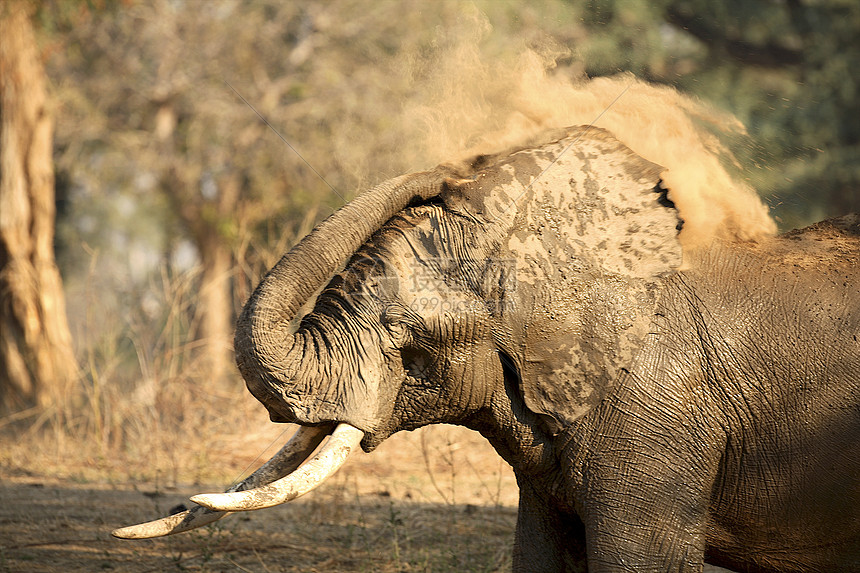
column 184, row 521
column 286, row 460
column 333, row 454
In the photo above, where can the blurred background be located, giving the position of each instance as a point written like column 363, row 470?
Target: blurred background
column 172, row 196
column 142, row 197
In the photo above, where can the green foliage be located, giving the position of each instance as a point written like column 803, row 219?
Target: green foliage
column 785, row 69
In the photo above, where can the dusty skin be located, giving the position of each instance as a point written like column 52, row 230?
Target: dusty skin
column 384, row 512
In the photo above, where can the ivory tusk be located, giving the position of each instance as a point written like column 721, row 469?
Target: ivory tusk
column 185, row 521
column 286, row 460
column 333, row 454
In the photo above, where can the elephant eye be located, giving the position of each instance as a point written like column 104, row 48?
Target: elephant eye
column 417, row 362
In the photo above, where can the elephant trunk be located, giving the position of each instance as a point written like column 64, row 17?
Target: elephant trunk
column 268, row 354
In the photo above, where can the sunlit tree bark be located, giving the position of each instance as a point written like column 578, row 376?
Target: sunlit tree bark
column 36, row 358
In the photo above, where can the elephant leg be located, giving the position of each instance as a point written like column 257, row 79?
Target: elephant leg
column 647, row 530
column 547, row 541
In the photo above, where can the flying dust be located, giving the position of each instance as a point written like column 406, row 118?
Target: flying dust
column 467, row 101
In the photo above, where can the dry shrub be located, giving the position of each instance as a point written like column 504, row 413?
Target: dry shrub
column 141, row 411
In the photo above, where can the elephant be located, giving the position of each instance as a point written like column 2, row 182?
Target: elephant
column 660, row 406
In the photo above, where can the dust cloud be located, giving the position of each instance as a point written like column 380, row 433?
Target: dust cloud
column 471, row 98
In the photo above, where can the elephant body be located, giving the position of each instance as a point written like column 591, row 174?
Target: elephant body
column 659, row 405
column 734, row 433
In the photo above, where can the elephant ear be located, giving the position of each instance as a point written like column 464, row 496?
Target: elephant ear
column 592, row 233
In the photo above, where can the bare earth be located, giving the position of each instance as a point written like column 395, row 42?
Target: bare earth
column 438, row 500
column 66, row 527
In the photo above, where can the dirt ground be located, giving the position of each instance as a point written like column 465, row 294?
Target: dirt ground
column 55, row 527
column 436, row 500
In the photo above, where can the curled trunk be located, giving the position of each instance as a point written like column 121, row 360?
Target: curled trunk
column 267, row 353
column 269, row 356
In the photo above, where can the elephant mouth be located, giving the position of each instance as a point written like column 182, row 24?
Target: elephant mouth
column 292, row 472
column 312, row 412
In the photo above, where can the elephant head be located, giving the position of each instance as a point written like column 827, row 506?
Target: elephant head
column 536, row 268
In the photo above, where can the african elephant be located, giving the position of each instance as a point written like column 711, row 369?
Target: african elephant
column 657, row 411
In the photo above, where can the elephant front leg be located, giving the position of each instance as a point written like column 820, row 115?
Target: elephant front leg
column 547, row 541
column 646, row 530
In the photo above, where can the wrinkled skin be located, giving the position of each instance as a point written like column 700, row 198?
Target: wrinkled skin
column 656, row 415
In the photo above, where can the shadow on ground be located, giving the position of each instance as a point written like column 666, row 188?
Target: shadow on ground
column 62, row 527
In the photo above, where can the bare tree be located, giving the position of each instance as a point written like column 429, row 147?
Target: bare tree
column 36, row 357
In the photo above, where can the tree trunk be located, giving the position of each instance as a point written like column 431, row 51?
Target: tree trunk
column 209, row 220
column 215, row 308
column 37, row 363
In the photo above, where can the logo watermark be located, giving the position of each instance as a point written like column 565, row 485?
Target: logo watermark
column 435, row 284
